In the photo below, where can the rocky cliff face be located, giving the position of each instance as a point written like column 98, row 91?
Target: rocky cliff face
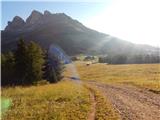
column 17, row 23
column 34, row 17
column 47, row 13
column 36, row 20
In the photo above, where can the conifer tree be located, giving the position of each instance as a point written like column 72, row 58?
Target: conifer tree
column 7, row 69
column 21, row 61
column 49, row 71
column 35, row 63
column 58, row 67
column 53, row 68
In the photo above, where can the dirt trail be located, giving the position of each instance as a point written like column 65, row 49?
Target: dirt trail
column 93, row 107
column 131, row 102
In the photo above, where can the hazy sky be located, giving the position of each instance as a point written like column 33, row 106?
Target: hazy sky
column 137, row 21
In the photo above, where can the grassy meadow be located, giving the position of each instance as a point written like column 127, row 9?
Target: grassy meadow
column 65, row 100
column 71, row 100
column 142, row 75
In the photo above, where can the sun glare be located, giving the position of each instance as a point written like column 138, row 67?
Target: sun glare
column 132, row 20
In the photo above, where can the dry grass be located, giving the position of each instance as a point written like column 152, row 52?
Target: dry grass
column 104, row 110
column 65, row 100
column 69, row 100
column 143, row 75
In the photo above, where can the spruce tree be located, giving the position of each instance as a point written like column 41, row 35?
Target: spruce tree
column 35, row 62
column 49, row 71
column 53, row 68
column 7, row 69
column 58, row 67
column 21, row 62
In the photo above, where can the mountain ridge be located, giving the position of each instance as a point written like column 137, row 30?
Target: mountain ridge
column 71, row 35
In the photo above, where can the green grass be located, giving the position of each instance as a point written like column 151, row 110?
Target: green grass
column 65, row 100
column 142, row 75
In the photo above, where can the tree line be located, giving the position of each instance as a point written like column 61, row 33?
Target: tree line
column 130, row 59
column 28, row 65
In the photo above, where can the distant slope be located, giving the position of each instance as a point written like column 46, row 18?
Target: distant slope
column 72, row 36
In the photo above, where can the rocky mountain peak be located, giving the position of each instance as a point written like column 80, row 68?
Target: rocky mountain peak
column 17, row 19
column 16, row 23
column 46, row 12
column 34, row 17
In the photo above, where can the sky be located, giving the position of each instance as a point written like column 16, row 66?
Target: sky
column 137, row 21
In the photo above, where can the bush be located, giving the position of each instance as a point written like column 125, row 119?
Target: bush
column 42, row 82
column 74, row 58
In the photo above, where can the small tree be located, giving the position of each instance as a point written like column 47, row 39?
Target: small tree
column 53, row 68
column 8, row 69
column 102, row 59
column 49, row 72
column 58, row 67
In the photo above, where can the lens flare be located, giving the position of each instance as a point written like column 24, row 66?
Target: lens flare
column 5, row 104
column 56, row 51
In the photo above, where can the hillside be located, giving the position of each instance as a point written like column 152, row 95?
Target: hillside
column 71, row 35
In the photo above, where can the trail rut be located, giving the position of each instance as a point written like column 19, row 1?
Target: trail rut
column 131, row 102
column 93, row 107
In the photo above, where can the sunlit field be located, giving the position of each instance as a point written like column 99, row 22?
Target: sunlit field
column 63, row 101
column 74, row 99
column 66, row 100
column 142, row 75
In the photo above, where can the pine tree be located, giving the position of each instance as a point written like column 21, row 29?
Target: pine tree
column 58, row 67
column 35, row 63
column 53, row 68
column 49, row 71
column 8, row 69
column 21, row 62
